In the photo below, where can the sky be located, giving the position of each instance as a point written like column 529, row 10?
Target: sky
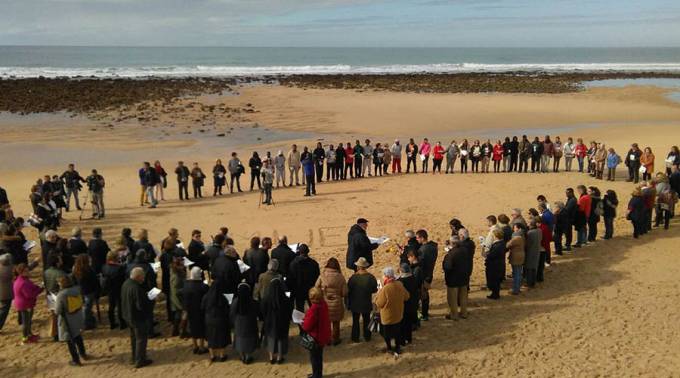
column 342, row 23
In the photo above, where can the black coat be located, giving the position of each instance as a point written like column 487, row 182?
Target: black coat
column 195, row 254
column 360, row 290
column 470, row 248
column 495, row 260
column 358, row 245
column 411, row 285
column 285, row 256
column 276, row 309
column 150, row 276
column 192, row 295
column 136, row 307
column 428, row 259
column 302, row 276
column 411, row 245
column 456, row 267
column 257, row 259
column 114, row 278
column 636, row 209
column 98, row 249
column 211, row 254
column 3, row 197
column 226, row 269
column 141, row 244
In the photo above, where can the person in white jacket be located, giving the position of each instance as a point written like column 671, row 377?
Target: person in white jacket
column 294, row 165
column 280, row 168
column 368, row 158
column 568, row 153
column 487, row 242
column 396, row 156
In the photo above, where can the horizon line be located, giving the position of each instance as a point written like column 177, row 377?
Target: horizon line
column 345, row 47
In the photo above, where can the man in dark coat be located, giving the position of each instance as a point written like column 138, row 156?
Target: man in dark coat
column 75, row 246
column 411, row 245
column 143, row 244
column 257, row 259
column 97, row 249
column 137, row 309
column 456, row 268
column 215, row 250
column 428, row 257
column 284, row 255
column 410, row 316
column 183, row 175
column 495, row 265
column 571, row 208
column 226, row 269
column 358, row 244
column 633, row 163
column 72, row 180
column 3, row 197
column 302, row 276
column 113, row 277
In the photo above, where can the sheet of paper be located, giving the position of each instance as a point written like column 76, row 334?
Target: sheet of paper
column 230, row 297
column 380, row 240
column 298, row 316
column 294, row 247
column 29, row 245
column 242, row 266
column 181, row 245
column 188, row 262
column 51, row 301
column 206, row 282
column 288, row 294
column 156, row 266
column 153, row 293
column 422, row 157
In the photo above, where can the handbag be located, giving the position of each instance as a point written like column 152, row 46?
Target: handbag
column 374, row 326
column 307, row 341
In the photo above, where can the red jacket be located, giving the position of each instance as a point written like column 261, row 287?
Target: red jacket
column 581, row 150
column 349, row 155
column 584, row 204
column 438, row 152
column 547, row 237
column 497, row 152
column 317, row 323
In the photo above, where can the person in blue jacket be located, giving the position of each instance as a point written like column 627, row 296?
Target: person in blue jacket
column 308, row 169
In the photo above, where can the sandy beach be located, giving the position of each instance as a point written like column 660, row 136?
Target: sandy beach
column 607, row 310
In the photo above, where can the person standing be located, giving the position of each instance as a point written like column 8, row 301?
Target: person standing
column 243, row 316
column 647, row 161
column 596, row 210
column 332, row 284
column 395, row 150
column 475, row 155
column 411, row 156
column 215, row 306
column 308, row 168
column 192, row 295
column 358, row 159
column 568, row 149
column 580, row 151
column 318, row 156
column 514, row 153
column 437, row 157
column 497, row 156
column 142, row 196
column 98, row 249
column 582, row 216
column 257, row 259
column 633, row 163
column 72, row 180
column 162, row 180
column 557, row 154
column 464, row 150
column 95, row 184
column 331, row 173
column 137, row 309
column 360, row 289
column 151, row 180
column 546, row 154
column 507, row 154
column 112, row 278
column 340, row 162
column 428, row 257
column 532, row 250
column 368, row 158
column 219, row 177
column 236, row 169
column 358, row 245
column 494, row 262
column 6, row 288
column 610, row 202
column 349, row 161
column 378, row 154
column 390, row 302
column 613, row 160
column 664, row 202
column 294, row 165
column 255, row 165
column 425, row 149
column 452, row 153
column 182, row 173
column 525, row 148
column 276, row 309
column 410, row 317
column 387, row 159
column 284, row 255
column 267, row 181
column 600, row 160
column 317, row 324
column 487, row 151
column 69, row 303
column 455, row 267
column 516, row 255
column 302, row 275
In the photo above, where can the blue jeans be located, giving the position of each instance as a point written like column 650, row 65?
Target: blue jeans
column 516, row 278
column 150, row 195
column 582, row 235
column 580, row 163
column 89, row 302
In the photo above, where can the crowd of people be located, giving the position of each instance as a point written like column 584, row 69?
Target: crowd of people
column 218, row 297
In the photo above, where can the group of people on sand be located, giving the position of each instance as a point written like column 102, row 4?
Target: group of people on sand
column 218, row 297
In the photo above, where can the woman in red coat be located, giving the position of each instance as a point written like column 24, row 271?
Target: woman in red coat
column 317, row 324
column 497, row 156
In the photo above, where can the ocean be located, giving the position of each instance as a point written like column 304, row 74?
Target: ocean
column 136, row 62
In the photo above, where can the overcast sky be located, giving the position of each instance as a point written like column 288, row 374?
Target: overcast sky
column 464, row 23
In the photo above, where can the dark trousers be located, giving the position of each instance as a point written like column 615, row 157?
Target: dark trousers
column 425, row 303
column 316, row 360
column 463, row 165
column 535, row 164
column 357, row 325
column 407, row 323
column 568, row 236
column 494, row 284
column 634, row 173
column 114, row 308
column 358, row 163
column 235, row 177
column 411, row 160
column 300, row 303
column 475, row 164
column 319, row 171
column 637, row 228
column 311, row 186
column 76, row 348
column 349, row 167
column 377, row 169
column 523, row 164
column 5, row 306
column 255, row 175
column 26, row 322
column 592, row 229
column 197, row 191
column 496, row 166
column 426, row 164
column 340, row 170
column 541, row 265
column 183, row 190
column 661, row 214
column 608, row 227
column 513, row 163
column 557, row 239
column 330, row 171
column 139, row 336
column 530, row 276
column 392, row 332
column 268, row 194
column 437, row 165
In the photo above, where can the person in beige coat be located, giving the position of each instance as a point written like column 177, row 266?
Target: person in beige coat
column 390, row 302
column 516, row 256
column 334, row 287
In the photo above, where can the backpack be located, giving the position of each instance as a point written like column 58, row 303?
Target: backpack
column 599, row 209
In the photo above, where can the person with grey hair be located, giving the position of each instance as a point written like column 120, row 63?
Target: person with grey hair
column 410, row 245
column 5, row 287
column 390, row 302
column 266, row 278
column 137, row 309
column 516, row 217
column 192, row 294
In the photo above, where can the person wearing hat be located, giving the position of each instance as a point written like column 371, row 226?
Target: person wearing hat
column 410, row 317
column 390, row 302
column 358, row 245
column 395, row 149
column 267, row 180
column 361, row 287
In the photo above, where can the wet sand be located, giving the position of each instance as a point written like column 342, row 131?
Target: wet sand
column 610, row 309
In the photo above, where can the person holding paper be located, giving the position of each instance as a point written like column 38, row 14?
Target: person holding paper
column 219, row 177
column 334, row 287
column 69, row 303
column 25, row 296
column 358, row 245
column 360, row 289
column 302, row 276
column 137, row 312
column 425, row 148
column 51, row 279
column 226, row 269
column 243, row 314
column 318, row 325
column 276, row 309
column 633, row 163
